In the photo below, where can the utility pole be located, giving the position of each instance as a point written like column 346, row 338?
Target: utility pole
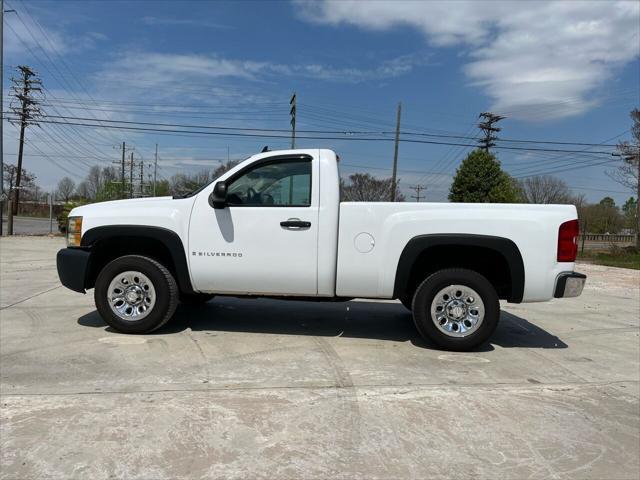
column 27, row 110
column 124, row 147
column 489, row 119
column 155, row 171
column 292, row 112
column 50, row 213
column 123, row 163
column 3, row 194
column 131, row 176
column 418, row 189
column 141, row 178
column 394, row 184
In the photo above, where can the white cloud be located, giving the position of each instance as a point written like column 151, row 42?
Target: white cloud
column 153, row 68
column 158, row 21
column 532, row 58
column 22, row 34
column 26, row 35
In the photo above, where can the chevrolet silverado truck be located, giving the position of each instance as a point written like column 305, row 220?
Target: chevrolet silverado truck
column 274, row 226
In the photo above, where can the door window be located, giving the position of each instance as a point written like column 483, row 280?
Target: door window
column 285, row 183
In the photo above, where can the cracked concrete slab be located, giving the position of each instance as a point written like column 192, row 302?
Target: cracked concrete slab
column 269, row 389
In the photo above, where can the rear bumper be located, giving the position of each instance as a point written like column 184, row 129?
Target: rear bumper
column 72, row 266
column 569, row 284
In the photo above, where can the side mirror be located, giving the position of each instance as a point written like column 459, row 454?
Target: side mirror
column 218, row 198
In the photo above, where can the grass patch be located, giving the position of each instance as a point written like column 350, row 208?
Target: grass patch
column 627, row 257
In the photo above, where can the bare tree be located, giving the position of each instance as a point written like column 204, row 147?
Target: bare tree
column 224, row 168
column 65, row 189
column 82, row 190
column 183, row 183
column 545, row 189
column 363, row 187
column 27, row 183
column 10, row 173
column 94, row 181
column 628, row 174
column 100, row 184
column 110, row 174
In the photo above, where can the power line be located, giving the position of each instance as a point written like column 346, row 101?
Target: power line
column 346, row 132
column 36, row 57
column 348, row 135
column 55, row 51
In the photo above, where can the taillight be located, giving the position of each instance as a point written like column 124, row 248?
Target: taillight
column 568, row 241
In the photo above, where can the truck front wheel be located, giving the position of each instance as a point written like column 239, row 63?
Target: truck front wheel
column 135, row 294
column 457, row 309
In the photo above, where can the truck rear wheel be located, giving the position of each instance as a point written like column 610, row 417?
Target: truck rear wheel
column 135, row 294
column 457, row 309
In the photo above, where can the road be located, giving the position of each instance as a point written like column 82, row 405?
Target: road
column 273, row 389
column 29, row 225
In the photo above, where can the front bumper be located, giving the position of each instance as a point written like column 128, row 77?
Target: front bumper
column 73, row 264
column 569, row 284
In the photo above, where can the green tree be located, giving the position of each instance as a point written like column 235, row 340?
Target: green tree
column 163, row 188
column 630, row 212
column 608, row 202
column 480, row 179
column 602, row 217
column 108, row 191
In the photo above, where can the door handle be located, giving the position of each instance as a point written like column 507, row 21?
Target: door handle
column 295, row 223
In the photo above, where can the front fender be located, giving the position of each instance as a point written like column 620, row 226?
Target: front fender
column 168, row 238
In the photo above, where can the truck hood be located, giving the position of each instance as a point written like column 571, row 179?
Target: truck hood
column 136, row 203
column 164, row 212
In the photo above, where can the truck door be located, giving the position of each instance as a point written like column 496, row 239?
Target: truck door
column 265, row 239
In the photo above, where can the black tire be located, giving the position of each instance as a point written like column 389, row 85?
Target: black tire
column 407, row 301
column 424, row 297
column 165, row 286
column 195, row 298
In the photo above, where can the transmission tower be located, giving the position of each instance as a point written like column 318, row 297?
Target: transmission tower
column 487, row 127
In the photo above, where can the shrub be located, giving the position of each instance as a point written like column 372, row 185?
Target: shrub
column 64, row 216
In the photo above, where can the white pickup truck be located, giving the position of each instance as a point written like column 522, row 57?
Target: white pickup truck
column 274, row 226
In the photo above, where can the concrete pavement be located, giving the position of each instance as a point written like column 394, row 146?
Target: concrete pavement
column 274, row 389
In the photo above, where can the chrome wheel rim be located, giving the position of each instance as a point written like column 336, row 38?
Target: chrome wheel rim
column 457, row 311
column 131, row 295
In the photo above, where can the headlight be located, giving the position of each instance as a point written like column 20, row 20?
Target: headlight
column 74, row 231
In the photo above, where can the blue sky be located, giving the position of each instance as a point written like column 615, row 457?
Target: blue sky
column 560, row 71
